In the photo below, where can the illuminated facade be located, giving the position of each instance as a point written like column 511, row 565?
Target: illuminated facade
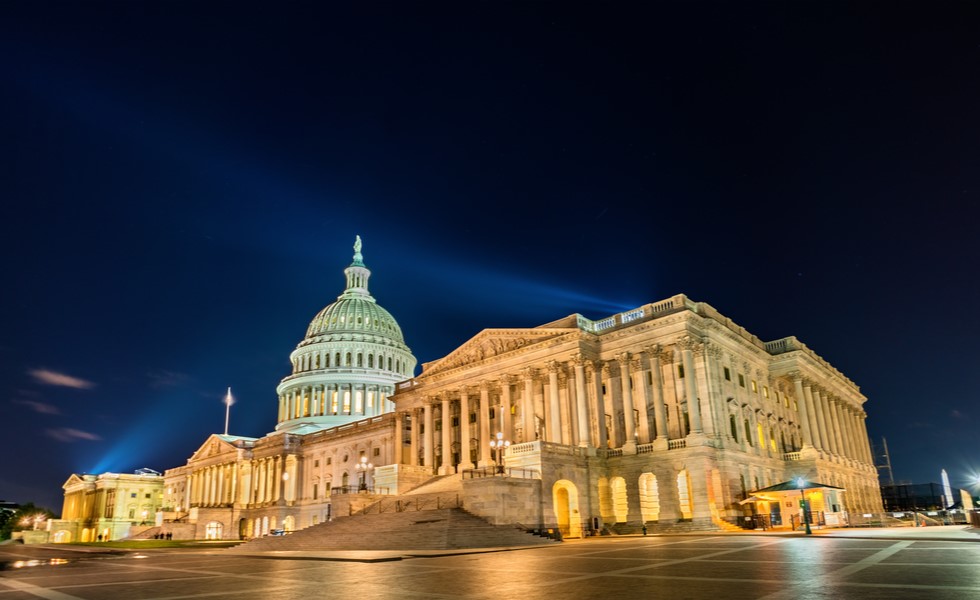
column 107, row 506
column 668, row 415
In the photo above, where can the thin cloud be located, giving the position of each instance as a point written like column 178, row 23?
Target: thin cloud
column 67, row 434
column 162, row 378
column 40, row 407
column 49, row 377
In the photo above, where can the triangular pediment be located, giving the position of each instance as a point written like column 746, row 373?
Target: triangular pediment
column 73, row 480
column 490, row 343
column 217, row 444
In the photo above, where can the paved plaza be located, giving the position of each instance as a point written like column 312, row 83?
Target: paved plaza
column 865, row 565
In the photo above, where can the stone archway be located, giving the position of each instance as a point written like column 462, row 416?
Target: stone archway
column 619, row 501
column 565, row 502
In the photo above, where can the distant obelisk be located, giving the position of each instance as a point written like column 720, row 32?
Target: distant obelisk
column 229, row 401
column 947, row 490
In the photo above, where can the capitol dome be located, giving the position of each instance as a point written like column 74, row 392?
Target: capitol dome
column 348, row 364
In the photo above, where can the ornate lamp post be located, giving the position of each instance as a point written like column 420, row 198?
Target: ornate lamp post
column 497, row 446
column 800, row 483
column 363, row 467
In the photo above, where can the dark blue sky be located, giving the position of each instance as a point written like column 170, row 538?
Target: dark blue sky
column 182, row 183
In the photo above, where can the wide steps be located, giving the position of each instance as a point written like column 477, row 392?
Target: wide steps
column 444, row 529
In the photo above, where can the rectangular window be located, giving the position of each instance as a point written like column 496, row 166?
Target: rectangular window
column 315, row 490
column 728, row 374
column 377, row 451
column 329, row 460
column 472, row 417
column 765, row 391
column 132, row 495
column 680, row 371
column 755, row 387
column 456, row 421
column 493, row 413
column 741, row 380
column 316, row 463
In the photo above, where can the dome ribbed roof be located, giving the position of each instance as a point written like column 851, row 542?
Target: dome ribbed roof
column 355, row 311
column 355, row 315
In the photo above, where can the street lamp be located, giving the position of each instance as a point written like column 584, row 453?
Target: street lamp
column 497, row 446
column 801, row 483
column 363, row 467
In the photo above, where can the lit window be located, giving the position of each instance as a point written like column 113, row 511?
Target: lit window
column 755, row 387
column 765, row 391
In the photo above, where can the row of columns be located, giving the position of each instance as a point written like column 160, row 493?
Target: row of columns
column 255, row 481
column 572, row 409
column 215, row 485
column 333, row 399
column 830, row 424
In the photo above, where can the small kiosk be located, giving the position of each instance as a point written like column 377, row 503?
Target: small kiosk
column 798, row 504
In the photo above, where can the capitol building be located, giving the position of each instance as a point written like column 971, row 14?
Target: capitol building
column 669, row 416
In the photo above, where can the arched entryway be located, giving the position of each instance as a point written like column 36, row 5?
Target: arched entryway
column 565, row 502
column 619, row 502
column 649, row 498
column 213, row 530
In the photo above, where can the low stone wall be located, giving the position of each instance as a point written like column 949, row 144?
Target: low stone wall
column 504, row 500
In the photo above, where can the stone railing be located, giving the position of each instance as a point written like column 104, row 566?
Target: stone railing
column 644, row 448
column 525, row 448
column 675, row 444
column 791, row 456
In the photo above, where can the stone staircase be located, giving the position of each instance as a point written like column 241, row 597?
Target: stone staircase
column 664, row 527
column 445, row 529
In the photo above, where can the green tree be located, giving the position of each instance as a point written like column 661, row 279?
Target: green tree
column 27, row 516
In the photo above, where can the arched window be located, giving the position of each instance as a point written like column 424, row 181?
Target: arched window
column 370, row 361
column 360, row 359
column 347, row 361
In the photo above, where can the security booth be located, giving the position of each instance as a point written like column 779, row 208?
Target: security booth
column 800, row 504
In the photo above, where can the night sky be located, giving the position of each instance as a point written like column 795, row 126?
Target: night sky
column 181, row 185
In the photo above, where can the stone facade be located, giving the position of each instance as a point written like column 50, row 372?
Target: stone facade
column 663, row 415
column 107, row 506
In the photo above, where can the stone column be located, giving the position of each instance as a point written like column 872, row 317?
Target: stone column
column 527, row 404
column 824, row 403
column 866, row 441
column 233, row 474
column 643, row 425
column 506, row 402
column 814, row 399
column 611, row 377
column 626, row 380
column 801, row 404
column 553, row 421
column 399, row 442
column 464, row 426
column 690, row 385
column 414, row 439
column 582, row 414
column 841, row 409
column 660, row 407
column 484, row 440
column 598, row 403
column 429, row 442
column 447, row 440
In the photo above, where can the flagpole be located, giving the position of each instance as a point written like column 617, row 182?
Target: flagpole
column 227, row 409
